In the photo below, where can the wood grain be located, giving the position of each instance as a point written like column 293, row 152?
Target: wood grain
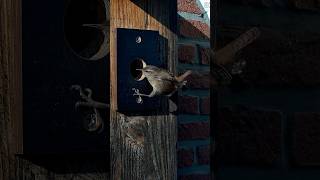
column 10, row 86
column 143, row 147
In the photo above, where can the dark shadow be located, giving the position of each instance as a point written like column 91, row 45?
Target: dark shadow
column 280, row 78
column 72, row 163
column 53, row 128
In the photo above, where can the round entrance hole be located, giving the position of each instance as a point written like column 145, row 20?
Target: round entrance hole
column 137, row 64
column 86, row 26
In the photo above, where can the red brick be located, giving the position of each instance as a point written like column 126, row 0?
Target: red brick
column 196, row 130
column 194, row 29
column 203, row 155
column 306, row 139
column 195, row 177
column 189, row 104
column 189, row 6
column 205, row 105
column 248, row 137
column 205, row 56
column 199, row 80
column 185, row 157
column 186, row 54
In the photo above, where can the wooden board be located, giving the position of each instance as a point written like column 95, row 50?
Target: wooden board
column 10, row 86
column 143, row 146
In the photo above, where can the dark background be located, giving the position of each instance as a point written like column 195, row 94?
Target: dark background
column 268, row 121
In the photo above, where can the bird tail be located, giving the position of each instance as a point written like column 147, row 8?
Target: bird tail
column 182, row 77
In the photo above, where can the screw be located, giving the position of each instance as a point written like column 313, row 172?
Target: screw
column 138, row 39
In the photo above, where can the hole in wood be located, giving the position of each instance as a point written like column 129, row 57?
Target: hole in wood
column 86, row 26
column 135, row 66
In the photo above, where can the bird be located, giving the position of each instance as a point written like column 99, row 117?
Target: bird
column 162, row 81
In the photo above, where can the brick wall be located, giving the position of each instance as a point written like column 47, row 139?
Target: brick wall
column 268, row 123
column 194, row 100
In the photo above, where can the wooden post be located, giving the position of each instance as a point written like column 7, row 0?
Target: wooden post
column 10, row 86
column 143, row 147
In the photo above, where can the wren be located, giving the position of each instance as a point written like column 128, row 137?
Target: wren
column 162, row 81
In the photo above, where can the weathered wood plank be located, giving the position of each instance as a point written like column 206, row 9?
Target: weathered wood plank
column 143, row 147
column 10, row 86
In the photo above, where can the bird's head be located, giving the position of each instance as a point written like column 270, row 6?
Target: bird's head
column 149, row 70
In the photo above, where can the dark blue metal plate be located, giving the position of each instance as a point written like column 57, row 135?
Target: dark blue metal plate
column 129, row 50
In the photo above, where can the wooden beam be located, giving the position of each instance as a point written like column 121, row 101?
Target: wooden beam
column 10, row 72
column 143, row 147
column 10, row 86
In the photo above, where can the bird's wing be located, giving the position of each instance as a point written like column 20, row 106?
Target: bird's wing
column 165, row 77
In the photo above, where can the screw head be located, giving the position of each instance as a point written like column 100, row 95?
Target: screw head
column 138, row 39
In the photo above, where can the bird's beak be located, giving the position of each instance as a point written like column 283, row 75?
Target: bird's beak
column 139, row 69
